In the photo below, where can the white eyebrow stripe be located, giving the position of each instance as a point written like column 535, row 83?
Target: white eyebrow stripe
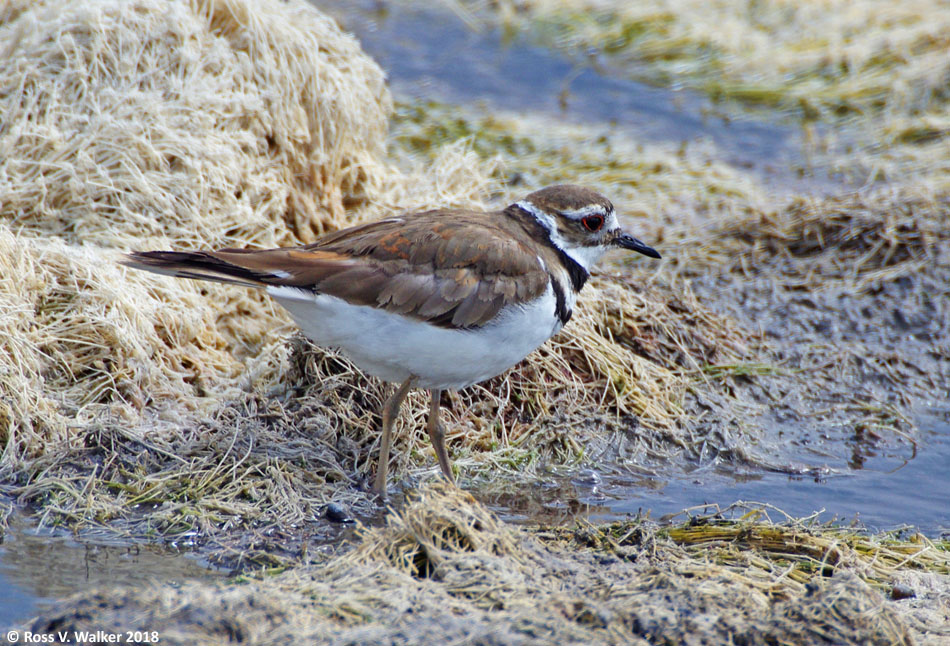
column 591, row 209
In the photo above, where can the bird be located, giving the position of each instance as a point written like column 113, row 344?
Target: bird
column 439, row 299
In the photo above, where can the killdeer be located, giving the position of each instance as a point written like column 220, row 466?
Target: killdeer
column 438, row 299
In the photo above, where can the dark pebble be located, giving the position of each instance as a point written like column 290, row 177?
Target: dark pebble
column 902, row 592
column 336, row 514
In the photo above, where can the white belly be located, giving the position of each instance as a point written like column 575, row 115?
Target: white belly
column 392, row 347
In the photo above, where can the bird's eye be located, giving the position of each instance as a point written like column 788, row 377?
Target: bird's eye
column 593, row 222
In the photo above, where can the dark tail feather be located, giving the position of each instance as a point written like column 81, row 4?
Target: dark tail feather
column 200, row 265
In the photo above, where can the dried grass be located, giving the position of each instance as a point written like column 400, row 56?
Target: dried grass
column 78, row 345
column 212, row 122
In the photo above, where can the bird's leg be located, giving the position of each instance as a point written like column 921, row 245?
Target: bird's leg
column 437, row 435
column 390, row 413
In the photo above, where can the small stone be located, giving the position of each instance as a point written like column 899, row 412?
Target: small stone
column 337, row 514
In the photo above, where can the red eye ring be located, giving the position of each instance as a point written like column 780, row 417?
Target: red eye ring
column 593, row 222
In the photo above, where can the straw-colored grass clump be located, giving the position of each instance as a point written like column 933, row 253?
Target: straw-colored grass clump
column 207, row 122
column 144, row 124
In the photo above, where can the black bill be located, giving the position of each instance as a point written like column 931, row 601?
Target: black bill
column 627, row 241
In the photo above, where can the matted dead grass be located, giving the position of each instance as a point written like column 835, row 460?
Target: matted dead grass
column 856, row 239
column 444, row 569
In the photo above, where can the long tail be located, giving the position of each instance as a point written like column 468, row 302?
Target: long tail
column 200, row 265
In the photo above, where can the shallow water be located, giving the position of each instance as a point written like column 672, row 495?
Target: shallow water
column 886, row 492
column 38, row 568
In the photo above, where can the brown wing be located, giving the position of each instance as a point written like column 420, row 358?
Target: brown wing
column 452, row 271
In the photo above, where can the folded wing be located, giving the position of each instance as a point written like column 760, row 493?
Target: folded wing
column 450, row 271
